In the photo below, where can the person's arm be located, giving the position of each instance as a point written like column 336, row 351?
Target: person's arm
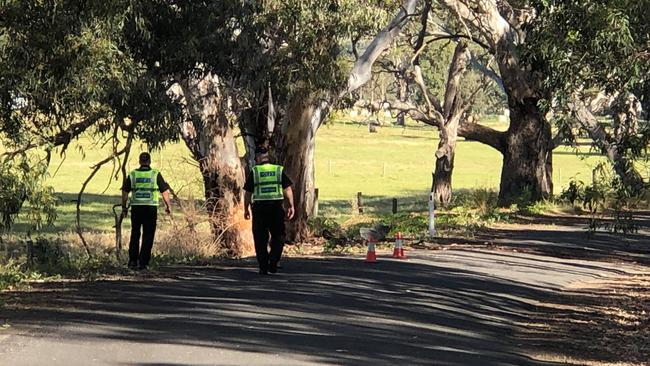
column 249, row 186
column 165, row 191
column 248, row 197
column 288, row 195
column 168, row 202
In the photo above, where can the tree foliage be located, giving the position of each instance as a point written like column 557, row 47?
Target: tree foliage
column 603, row 44
column 21, row 179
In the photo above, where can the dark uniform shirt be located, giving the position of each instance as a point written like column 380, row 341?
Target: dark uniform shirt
column 162, row 185
column 249, row 186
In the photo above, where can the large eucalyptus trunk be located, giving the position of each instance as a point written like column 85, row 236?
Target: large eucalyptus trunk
column 527, row 166
column 208, row 134
column 297, row 144
column 441, row 187
column 223, row 183
column 452, row 111
column 526, row 146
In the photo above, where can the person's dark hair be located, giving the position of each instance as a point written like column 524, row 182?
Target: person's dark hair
column 145, row 158
column 261, row 150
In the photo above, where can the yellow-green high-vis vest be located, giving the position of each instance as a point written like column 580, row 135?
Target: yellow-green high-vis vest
column 268, row 182
column 144, row 187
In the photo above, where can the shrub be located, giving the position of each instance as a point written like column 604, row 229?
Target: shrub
column 11, row 274
column 410, row 224
column 607, row 195
column 21, row 180
column 483, row 200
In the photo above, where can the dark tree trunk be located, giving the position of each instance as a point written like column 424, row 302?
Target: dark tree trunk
column 452, row 111
column 442, row 188
column 527, row 161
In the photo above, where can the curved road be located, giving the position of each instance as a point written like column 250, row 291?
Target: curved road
column 451, row 307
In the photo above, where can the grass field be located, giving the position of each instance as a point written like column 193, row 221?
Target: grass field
column 394, row 162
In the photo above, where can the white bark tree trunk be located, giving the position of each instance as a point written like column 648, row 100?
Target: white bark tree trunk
column 623, row 167
column 362, row 71
column 208, row 134
column 296, row 144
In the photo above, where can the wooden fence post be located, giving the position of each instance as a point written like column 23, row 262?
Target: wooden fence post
column 394, row 206
column 315, row 208
column 360, row 202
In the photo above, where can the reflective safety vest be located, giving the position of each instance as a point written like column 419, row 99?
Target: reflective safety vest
column 144, row 187
column 267, row 179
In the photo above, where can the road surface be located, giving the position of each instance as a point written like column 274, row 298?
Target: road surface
column 444, row 307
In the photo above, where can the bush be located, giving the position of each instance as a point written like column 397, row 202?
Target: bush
column 483, row 200
column 22, row 182
column 52, row 258
column 324, row 227
column 607, row 195
column 11, row 274
column 540, row 207
column 410, row 224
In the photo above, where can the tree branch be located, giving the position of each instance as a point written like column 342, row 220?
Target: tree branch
column 623, row 166
column 503, row 39
column 361, row 72
column 96, row 168
column 62, row 138
column 485, row 70
column 444, row 34
column 419, row 44
column 484, row 135
column 416, row 114
column 440, row 36
column 452, row 89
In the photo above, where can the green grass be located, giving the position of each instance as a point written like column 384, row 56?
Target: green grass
column 398, row 162
column 394, row 162
column 68, row 172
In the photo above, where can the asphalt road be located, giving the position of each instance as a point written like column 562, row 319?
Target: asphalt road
column 452, row 307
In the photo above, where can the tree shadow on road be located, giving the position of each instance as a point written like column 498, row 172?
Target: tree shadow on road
column 331, row 311
column 576, row 243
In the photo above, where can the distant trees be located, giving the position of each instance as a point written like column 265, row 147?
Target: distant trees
column 546, row 53
column 202, row 72
column 270, row 72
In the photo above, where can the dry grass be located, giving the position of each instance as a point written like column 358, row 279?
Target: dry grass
column 190, row 234
column 185, row 235
column 606, row 323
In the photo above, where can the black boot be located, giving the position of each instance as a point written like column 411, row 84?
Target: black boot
column 273, row 267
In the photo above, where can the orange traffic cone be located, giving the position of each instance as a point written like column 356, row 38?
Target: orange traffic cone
column 398, row 250
column 371, row 256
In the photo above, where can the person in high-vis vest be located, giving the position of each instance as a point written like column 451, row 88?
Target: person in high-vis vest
column 267, row 189
column 146, row 186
